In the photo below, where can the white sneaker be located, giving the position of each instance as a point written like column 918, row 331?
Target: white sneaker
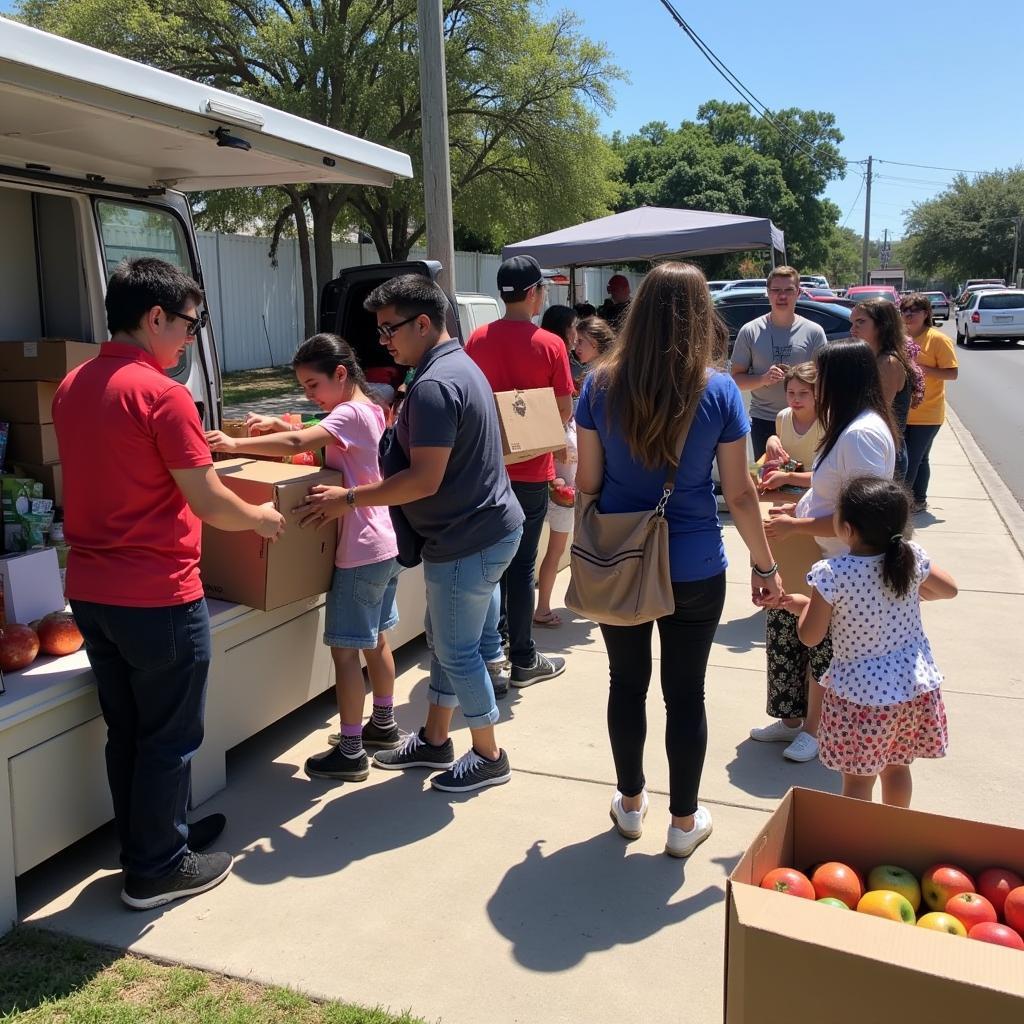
column 680, row 843
column 803, row 748
column 777, row 732
column 629, row 824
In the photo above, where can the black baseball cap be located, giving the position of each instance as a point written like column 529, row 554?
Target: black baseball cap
column 519, row 274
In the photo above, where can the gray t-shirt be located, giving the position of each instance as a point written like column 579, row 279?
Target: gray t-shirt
column 451, row 405
column 760, row 345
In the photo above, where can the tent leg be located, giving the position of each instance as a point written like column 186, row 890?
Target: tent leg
column 572, row 285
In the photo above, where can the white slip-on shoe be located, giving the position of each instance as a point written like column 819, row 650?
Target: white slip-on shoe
column 803, row 748
column 629, row 824
column 777, row 732
column 680, row 843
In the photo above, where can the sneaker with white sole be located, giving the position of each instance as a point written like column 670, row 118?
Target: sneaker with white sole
column 415, row 752
column 777, row 732
column 472, row 771
column 680, row 843
column 195, row 873
column 803, row 748
column 541, row 669
column 501, row 675
column 629, row 824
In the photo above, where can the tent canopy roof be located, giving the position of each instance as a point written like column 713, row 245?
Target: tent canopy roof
column 649, row 233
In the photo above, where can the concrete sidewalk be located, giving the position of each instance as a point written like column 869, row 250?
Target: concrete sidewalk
column 521, row 903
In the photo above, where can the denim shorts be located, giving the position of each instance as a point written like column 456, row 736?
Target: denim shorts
column 361, row 604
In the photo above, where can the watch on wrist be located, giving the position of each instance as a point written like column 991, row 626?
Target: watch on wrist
column 350, row 497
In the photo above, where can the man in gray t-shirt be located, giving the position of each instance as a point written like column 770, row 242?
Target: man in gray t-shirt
column 766, row 347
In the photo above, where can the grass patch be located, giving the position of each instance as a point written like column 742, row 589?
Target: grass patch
column 262, row 382
column 50, row 979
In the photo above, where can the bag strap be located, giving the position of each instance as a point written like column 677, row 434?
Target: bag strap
column 671, row 472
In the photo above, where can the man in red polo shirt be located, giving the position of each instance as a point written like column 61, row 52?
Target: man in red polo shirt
column 516, row 354
column 138, row 478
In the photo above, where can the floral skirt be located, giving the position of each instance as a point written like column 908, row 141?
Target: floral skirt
column 859, row 740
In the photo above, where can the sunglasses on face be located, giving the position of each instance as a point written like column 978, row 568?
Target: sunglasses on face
column 195, row 323
column 387, row 331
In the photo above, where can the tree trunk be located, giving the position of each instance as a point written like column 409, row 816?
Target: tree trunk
column 323, row 230
column 309, row 297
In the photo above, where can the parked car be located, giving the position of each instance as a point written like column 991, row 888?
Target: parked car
column 745, row 283
column 814, row 281
column 991, row 282
column 940, row 304
column 973, row 287
column 863, row 292
column 819, row 294
column 739, row 309
column 993, row 315
column 717, row 286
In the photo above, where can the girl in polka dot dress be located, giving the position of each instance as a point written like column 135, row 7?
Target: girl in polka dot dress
column 882, row 705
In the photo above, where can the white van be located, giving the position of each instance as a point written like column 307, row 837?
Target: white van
column 96, row 153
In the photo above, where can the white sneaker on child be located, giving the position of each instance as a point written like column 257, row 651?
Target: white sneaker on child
column 777, row 732
column 680, row 843
column 803, row 748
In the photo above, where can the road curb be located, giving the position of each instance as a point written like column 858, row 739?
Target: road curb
column 1005, row 504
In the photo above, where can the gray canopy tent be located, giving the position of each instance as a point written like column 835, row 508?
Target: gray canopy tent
column 650, row 233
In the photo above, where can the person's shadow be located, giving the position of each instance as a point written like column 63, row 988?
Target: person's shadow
column 760, row 770
column 588, row 897
column 742, row 635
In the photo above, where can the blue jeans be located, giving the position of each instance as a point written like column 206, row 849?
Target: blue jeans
column 463, row 603
column 517, row 587
column 150, row 666
column 919, row 445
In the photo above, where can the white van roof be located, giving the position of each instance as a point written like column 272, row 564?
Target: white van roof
column 76, row 111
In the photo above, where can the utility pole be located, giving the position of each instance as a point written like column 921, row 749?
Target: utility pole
column 1016, row 244
column 437, row 174
column 867, row 228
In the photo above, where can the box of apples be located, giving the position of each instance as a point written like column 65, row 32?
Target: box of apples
column 849, row 912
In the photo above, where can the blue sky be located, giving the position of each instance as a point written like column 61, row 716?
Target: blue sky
column 901, row 86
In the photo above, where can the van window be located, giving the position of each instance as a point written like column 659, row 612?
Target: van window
column 128, row 231
column 1011, row 300
column 483, row 313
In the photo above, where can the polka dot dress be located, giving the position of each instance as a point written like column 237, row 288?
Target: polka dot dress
column 882, row 703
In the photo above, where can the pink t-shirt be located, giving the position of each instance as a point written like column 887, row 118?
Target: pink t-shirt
column 366, row 535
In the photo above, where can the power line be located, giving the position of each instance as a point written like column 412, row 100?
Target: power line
column 932, row 167
column 863, row 178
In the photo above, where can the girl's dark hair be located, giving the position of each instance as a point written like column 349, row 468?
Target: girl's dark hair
column 325, row 353
column 879, row 510
column 558, row 320
column 848, row 384
column 892, row 335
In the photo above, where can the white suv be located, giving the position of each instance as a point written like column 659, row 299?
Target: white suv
column 992, row 315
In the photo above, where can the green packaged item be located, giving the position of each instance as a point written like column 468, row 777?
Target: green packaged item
column 17, row 493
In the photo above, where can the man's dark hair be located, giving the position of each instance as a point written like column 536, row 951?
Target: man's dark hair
column 137, row 285
column 410, row 295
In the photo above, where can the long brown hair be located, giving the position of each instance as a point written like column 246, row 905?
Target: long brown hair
column 599, row 331
column 892, row 333
column 656, row 373
column 848, row 384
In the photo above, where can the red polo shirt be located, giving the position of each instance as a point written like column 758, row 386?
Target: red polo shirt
column 518, row 355
column 122, row 426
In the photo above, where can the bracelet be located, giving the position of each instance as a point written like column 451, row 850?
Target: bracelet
column 766, row 574
column 350, row 497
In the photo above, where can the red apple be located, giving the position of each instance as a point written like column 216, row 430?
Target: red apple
column 19, row 646
column 789, row 881
column 970, row 909
column 58, row 634
column 939, row 884
column 997, row 934
column 1013, row 909
column 995, row 885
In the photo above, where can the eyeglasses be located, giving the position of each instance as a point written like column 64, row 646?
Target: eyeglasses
column 195, row 323
column 912, row 312
column 388, row 330
column 782, row 291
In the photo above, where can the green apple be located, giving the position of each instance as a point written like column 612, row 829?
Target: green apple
column 896, row 879
column 831, row 901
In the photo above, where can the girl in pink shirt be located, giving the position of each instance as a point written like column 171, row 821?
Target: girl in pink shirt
column 361, row 604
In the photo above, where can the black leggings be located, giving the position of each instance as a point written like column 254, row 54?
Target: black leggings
column 686, row 638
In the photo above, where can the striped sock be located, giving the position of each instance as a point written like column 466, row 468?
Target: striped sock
column 351, row 740
column 383, row 712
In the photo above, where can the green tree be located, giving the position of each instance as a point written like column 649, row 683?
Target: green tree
column 968, row 230
column 730, row 161
column 526, row 153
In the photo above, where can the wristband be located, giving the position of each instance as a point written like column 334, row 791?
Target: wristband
column 350, row 497
column 765, row 574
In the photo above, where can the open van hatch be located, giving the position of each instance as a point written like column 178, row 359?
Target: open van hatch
column 65, row 109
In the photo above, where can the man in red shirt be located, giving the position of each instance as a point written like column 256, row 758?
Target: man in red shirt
column 138, row 478
column 516, row 354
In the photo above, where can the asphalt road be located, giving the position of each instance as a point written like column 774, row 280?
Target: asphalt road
column 989, row 397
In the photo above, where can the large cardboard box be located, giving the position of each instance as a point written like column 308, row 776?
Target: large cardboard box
column 49, row 359
column 32, row 442
column 530, row 424
column 27, row 401
column 796, row 554
column 794, row 961
column 247, row 569
column 51, row 476
column 30, row 585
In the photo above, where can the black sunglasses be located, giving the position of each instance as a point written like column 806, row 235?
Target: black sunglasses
column 195, row 323
column 388, row 330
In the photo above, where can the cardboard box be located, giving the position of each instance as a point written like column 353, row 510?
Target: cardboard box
column 33, row 442
column 51, row 476
column 237, row 428
column 16, row 494
column 49, row 359
column 530, row 424
column 27, row 401
column 31, row 585
column 793, row 961
column 245, row 568
column 796, row 554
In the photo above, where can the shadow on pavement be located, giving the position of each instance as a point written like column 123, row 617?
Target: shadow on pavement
column 587, row 897
column 760, row 770
column 742, row 635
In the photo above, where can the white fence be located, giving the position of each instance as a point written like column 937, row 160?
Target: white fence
column 257, row 308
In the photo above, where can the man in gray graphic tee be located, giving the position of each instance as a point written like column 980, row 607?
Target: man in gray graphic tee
column 766, row 347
